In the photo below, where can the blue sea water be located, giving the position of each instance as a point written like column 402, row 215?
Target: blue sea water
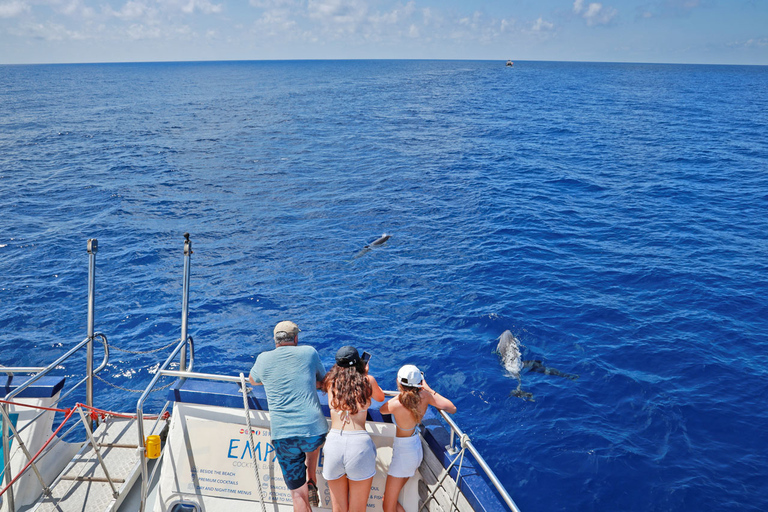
column 612, row 216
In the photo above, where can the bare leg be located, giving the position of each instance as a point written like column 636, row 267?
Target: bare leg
column 359, row 491
column 300, row 499
column 339, row 494
column 312, row 458
column 392, row 492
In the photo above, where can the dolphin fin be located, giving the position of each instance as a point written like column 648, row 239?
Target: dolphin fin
column 525, row 395
column 538, row 367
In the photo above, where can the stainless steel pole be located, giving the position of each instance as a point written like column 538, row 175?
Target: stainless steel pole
column 7, row 464
column 93, row 247
column 185, row 301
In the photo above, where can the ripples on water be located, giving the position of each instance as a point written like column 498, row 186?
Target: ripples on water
column 612, row 216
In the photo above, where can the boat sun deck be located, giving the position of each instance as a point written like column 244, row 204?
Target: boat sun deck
column 215, row 451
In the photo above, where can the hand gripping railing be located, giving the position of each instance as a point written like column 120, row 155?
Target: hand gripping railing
column 467, row 444
column 181, row 347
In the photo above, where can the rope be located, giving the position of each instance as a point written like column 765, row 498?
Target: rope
column 34, row 406
column 253, row 445
column 129, row 390
column 113, row 414
column 144, row 351
column 460, row 457
column 133, row 390
column 70, row 412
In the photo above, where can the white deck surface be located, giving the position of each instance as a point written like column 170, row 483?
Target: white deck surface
column 83, row 486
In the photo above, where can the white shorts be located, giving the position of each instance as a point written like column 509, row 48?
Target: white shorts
column 406, row 456
column 350, row 453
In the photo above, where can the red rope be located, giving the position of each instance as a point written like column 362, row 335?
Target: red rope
column 95, row 414
column 105, row 413
column 33, row 406
column 69, row 415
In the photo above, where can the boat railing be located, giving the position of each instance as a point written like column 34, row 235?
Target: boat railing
column 466, row 443
column 455, row 431
column 7, row 436
column 39, row 373
column 163, row 371
column 186, row 370
column 11, row 371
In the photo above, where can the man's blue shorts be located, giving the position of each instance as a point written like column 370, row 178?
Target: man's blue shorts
column 291, row 454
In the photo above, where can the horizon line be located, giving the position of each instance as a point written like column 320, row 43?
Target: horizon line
column 368, row 59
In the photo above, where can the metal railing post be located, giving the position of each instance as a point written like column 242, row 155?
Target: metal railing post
column 140, row 417
column 93, row 247
column 7, row 463
column 185, row 300
column 481, row 462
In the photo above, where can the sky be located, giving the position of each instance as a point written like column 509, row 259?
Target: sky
column 657, row 31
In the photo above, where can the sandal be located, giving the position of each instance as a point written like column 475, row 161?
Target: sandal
column 314, row 498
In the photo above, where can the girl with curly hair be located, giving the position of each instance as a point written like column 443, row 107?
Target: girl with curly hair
column 349, row 453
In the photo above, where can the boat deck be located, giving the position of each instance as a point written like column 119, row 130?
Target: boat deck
column 83, row 486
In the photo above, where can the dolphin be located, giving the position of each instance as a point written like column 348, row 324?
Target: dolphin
column 511, row 358
column 376, row 243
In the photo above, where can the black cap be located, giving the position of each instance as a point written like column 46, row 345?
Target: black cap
column 348, row 356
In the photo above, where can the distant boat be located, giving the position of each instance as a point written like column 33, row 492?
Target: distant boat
column 510, row 63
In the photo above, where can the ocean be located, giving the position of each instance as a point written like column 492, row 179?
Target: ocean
column 612, row 216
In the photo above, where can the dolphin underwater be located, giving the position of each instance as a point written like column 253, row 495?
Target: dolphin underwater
column 511, row 357
column 376, row 243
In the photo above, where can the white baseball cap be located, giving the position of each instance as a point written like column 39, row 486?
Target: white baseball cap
column 410, row 376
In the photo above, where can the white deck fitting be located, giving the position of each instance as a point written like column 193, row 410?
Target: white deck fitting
column 83, row 486
column 447, row 495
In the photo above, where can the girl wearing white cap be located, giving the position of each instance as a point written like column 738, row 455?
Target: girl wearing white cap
column 407, row 410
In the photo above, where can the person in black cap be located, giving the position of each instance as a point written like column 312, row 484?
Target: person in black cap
column 349, row 455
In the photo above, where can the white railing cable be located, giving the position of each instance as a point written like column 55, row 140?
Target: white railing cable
column 455, row 430
column 481, row 462
column 247, row 408
column 446, row 471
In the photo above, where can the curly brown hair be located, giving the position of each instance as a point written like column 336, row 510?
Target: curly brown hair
column 351, row 389
column 410, row 397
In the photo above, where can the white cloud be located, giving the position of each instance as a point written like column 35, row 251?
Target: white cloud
column 669, row 8
column 396, row 15
column 138, row 31
column 52, row 32
column 595, row 13
column 540, row 25
column 273, row 4
column 13, row 9
column 204, row 6
column 750, row 43
column 131, row 11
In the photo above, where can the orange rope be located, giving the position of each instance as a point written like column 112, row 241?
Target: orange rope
column 105, row 413
column 33, row 406
column 101, row 412
column 95, row 414
column 69, row 415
